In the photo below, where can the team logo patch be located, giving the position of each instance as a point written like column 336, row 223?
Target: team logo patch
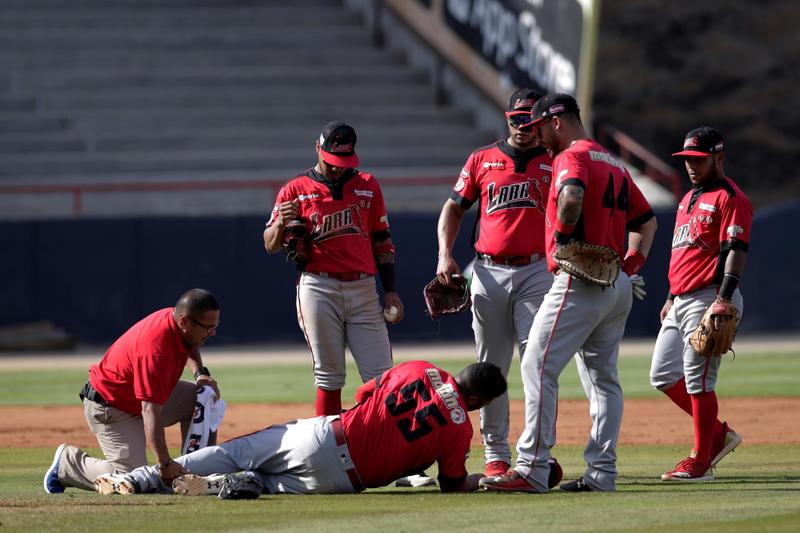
column 707, row 207
column 558, row 108
column 385, row 219
column 460, row 184
column 691, row 142
column 734, row 230
column 360, row 192
column 464, row 173
column 458, row 416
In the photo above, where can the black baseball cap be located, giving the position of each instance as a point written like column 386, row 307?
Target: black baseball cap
column 701, row 142
column 552, row 105
column 337, row 144
column 522, row 101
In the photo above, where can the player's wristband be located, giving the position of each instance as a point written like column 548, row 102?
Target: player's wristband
column 729, row 284
column 202, row 372
column 388, row 278
column 670, row 296
column 633, row 262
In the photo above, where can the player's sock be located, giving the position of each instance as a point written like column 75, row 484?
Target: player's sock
column 705, row 408
column 329, row 402
column 677, row 393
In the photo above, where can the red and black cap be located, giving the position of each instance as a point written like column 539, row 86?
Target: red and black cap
column 520, row 104
column 552, row 105
column 337, row 144
column 701, row 142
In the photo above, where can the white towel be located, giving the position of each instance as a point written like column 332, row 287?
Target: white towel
column 207, row 417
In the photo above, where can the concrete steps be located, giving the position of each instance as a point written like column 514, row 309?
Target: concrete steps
column 163, row 91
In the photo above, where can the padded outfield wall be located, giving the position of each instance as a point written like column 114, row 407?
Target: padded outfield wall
column 96, row 277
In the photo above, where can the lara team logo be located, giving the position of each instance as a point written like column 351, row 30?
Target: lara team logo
column 458, row 416
column 521, row 195
column 337, row 224
column 688, row 235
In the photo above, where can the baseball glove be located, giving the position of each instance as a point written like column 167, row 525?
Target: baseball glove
column 443, row 300
column 241, row 486
column 297, row 242
column 715, row 333
column 592, row 263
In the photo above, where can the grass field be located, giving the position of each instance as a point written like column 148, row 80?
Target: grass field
column 757, row 490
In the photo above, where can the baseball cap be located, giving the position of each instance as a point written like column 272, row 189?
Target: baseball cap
column 337, row 144
column 701, row 142
column 519, row 106
column 552, row 105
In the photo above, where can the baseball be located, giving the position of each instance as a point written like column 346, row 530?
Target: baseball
column 391, row 314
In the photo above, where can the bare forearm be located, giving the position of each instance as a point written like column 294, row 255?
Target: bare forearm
column 448, row 227
column 734, row 264
column 570, row 203
column 641, row 239
column 273, row 237
column 154, row 431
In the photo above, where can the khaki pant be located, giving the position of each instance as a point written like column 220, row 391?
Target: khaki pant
column 121, row 437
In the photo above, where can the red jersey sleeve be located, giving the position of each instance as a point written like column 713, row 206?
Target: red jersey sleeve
column 148, row 383
column 379, row 219
column 569, row 168
column 366, row 390
column 452, row 463
column 737, row 217
column 284, row 195
column 467, row 186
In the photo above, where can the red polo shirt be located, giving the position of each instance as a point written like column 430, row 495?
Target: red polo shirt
column 145, row 363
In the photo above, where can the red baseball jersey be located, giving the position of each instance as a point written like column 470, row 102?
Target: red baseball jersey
column 512, row 188
column 710, row 222
column 612, row 202
column 344, row 219
column 145, row 363
column 408, row 418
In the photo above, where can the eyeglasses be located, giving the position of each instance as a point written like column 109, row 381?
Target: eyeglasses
column 206, row 327
column 517, row 120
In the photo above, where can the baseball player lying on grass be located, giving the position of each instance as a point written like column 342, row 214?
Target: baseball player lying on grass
column 411, row 416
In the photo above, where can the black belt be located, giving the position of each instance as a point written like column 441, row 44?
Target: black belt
column 513, row 260
column 338, row 435
column 92, row 395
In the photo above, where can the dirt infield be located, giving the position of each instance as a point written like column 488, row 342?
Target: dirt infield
column 657, row 421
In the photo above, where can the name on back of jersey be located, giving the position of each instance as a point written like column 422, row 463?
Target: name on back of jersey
column 448, row 394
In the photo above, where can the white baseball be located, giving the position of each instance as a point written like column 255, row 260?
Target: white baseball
column 391, row 314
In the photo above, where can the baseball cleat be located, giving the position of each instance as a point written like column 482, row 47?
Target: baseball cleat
column 106, row 484
column 241, row 486
column 728, row 442
column 512, row 481
column 689, row 470
column 579, row 485
column 496, row 468
column 193, row 485
column 51, row 483
column 417, row 480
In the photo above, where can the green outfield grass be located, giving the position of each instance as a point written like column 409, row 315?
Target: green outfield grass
column 757, row 489
column 762, row 374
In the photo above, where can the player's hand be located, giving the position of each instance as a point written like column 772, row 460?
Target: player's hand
column 446, row 268
column 211, row 382
column 170, row 472
column 665, row 309
column 637, row 285
column 287, row 211
column 392, row 299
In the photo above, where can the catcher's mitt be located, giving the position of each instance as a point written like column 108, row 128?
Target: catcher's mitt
column 297, row 242
column 443, row 300
column 710, row 341
column 241, row 486
column 592, row 263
